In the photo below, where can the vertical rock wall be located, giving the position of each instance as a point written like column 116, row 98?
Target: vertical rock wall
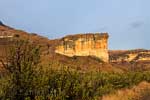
column 85, row 45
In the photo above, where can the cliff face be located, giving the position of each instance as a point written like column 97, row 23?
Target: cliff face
column 130, row 55
column 84, row 45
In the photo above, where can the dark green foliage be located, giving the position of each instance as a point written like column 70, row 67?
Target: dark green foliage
column 73, row 85
column 20, row 66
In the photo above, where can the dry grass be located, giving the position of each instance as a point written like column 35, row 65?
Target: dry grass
column 139, row 92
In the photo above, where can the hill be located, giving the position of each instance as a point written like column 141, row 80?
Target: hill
column 119, row 60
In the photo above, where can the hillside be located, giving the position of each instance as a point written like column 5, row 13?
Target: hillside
column 8, row 34
column 119, row 60
column 49, row 56
column 76, row 77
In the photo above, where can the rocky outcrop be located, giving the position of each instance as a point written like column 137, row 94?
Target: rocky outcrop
column 85, row 45
column 129, row 56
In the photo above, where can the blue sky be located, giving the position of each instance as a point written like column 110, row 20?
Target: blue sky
column 126, row 21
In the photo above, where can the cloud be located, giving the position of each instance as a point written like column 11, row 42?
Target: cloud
column 136, row 24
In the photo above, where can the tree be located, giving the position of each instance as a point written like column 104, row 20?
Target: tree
column 20, row 64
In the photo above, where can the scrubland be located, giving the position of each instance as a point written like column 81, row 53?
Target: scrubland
column 26, row 78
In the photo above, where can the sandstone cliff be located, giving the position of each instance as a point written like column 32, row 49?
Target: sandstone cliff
column 84, row 45
column 129, row 55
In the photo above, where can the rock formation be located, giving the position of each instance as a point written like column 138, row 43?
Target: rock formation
column 130, row 55
column 85, row 45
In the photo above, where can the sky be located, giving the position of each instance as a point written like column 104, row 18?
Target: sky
column 126, row 21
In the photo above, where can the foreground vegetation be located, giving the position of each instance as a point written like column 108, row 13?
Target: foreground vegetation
column 138, row 92
column 26, row 79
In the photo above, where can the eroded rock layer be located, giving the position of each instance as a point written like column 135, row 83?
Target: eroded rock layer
column 85, row 45
column 129, row 55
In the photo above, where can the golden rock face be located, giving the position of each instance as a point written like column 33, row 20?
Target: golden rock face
column 85, row 45
column 131, row 55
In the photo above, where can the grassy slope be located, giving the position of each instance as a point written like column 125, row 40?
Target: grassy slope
column 139, row 92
